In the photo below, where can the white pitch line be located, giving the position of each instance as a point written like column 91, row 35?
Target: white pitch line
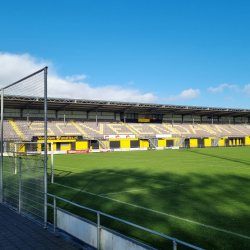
column 158, row 212
column 135, row 190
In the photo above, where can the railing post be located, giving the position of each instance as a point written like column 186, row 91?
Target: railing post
column 174, row 245
column 15, row 155
column 54, row 214
column 1, row 167
column 52, row 162
column 45, row 148
column 20, row 185
column 98, row 231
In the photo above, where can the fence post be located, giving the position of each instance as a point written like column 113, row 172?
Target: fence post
column 45, row 148
column 52, row 162
column 174, row 245
column 15, row 155
column 1, row 170
column 20, row 184
column 98, row 231
column 54, row 215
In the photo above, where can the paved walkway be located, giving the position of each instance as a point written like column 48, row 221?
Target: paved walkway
column 19, row 233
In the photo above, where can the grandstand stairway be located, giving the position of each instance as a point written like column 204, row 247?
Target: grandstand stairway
column 215, row 141
column 103, row 145
column 180, row 141
column 80, row 129
column 207, row 128
column 237, row 129
column 132, row 130
column 17, row 130
column 153, row 143
column 172, row 129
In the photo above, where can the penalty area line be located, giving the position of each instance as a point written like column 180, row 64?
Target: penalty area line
column 162, row 213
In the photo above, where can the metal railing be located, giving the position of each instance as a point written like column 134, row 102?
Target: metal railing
column 99, row 226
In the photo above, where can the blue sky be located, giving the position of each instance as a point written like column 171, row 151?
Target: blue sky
column 190, row 52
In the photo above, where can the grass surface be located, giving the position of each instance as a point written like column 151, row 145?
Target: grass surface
column 200, row 196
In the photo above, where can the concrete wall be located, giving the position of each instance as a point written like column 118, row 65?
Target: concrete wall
column 86, row 231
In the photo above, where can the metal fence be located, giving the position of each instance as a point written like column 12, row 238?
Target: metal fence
column 97, row 243
column 23, row 175
column 23, row 184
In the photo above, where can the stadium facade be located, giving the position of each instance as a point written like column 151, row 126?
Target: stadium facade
column 75, row 124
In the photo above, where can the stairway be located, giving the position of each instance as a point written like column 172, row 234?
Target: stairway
column 80, row 129
column 237, row 129
column 17, row 130
column 132, row 130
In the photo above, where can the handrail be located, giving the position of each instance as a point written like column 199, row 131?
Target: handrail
column 126, row 222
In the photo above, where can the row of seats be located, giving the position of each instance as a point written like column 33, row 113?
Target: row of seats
column 91, row 129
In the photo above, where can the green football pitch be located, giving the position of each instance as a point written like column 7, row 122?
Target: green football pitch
column 200, row 196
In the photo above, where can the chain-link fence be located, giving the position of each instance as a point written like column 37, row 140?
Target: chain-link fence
column 23, row 175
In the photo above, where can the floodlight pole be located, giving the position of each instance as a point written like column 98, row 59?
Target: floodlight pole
column 45, row 147
column 1, row 170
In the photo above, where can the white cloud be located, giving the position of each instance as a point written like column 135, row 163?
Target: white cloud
column 14, row 67
column 223, row 86
column 184, row 95
column 247, row 88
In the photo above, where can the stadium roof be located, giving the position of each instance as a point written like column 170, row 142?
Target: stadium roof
column 24, row 102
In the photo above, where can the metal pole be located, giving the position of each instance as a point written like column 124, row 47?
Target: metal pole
column 64, row 117
column 52, row 162
column 45, row 147
column 54, row 215
column 174, row 245
column 20, row 184
column 96, row 117
column 1, row 171
column 98, row 231
column 15, row 158
column 28, row 115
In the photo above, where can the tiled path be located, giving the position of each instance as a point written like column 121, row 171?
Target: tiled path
column 19, row 233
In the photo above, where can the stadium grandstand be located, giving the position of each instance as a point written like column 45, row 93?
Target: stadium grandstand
column 75, row 124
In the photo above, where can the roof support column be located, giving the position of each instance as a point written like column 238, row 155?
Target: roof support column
column 27, row 115
column 96, row 117
column 64, row 117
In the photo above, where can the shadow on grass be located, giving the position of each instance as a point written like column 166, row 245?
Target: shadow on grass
column 211, row 212
column 218, row 156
